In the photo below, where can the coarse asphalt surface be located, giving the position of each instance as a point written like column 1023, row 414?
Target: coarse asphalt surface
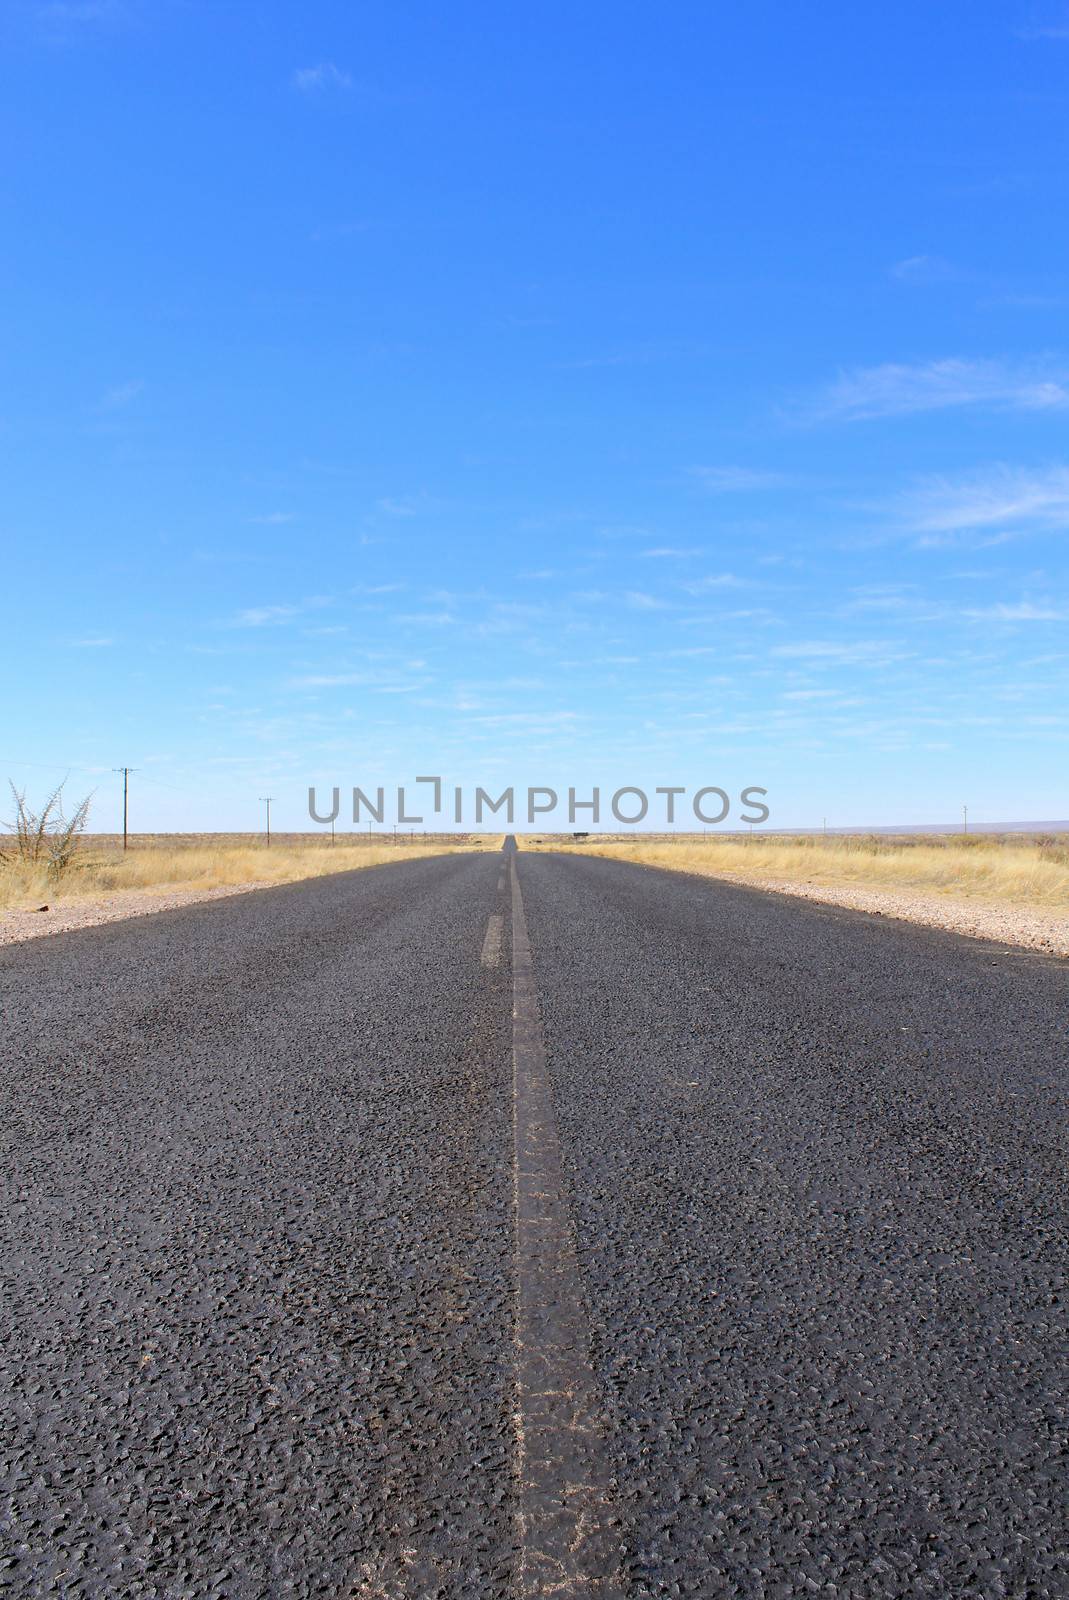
column 257, row 1241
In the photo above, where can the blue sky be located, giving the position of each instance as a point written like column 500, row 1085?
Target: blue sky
column 565, row 394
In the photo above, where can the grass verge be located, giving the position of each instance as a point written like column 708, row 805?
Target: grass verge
column 1004, row 869
column 99, row 869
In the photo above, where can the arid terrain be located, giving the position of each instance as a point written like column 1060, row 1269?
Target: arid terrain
column 1008, row 886
column 158, row 872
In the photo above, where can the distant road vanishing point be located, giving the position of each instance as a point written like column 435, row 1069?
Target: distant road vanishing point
column 521, row 1224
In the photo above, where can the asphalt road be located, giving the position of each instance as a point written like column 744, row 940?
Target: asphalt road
column 260, row 1257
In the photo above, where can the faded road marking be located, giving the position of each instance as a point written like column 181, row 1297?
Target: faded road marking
column 568, row 1545
column 491, row 955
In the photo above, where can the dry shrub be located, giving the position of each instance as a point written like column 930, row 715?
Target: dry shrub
column 42, row 850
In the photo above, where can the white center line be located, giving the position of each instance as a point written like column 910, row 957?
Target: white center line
column 491, row 953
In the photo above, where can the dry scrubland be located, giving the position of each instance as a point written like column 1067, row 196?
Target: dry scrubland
column 1009, row 887
column 160, row 863
column 1025, row 869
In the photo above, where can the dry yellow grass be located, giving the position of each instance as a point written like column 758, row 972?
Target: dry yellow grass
column 184, row 863
column 1022, row 870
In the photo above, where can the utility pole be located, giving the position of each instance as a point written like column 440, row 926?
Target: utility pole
column 825, row 827
column 126, row 771
column 965, row 819
column 267, row 799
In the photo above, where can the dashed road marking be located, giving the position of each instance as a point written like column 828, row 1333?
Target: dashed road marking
column 491, row 953
column 568, row 1546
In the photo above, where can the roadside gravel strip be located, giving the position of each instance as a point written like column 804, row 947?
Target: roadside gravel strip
column 816, row 1166
column 1032, row 927
column 89, row 911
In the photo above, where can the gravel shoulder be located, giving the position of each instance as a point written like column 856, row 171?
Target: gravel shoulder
column 63, row 916
column 1033, row 928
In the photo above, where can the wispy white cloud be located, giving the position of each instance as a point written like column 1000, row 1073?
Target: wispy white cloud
column 261, row 616
column 353, row 680
column 266, row 616
column 716, row 580
column 121, row 395
column 394, row 507
column 329, row 231
column 760, row 614
column 898, row 389
column 1021, row 611
column 325, row 75
column 818, row 694
column 736, row 480
column 92, row 643
column 1016, row 300
column 670, row 553
column 924, row 269
column 1005, row 496
column 640, row 601
column 61, row 12
column 273, row 519
column 1048, row 30
column 832, row 652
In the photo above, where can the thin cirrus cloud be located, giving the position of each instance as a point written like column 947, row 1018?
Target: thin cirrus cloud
column 1021, row 611
column 716, row 580
column 899, row 389
column 735, row 480
column 263, row 616
column 61, row 12
column 121, row 395
column 353, row 680
column 1048, row 30
column 325, row 75
column 267, row 616
column 993, row 500
column 833, row 652
column 924, row 269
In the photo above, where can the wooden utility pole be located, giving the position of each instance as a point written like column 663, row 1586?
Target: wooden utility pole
column 267, row 799
column 126, row 771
